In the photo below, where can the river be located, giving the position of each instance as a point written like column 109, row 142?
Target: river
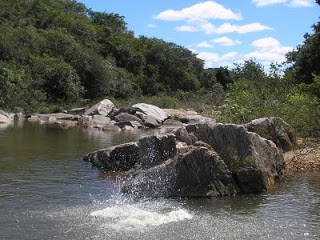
column 48, row 192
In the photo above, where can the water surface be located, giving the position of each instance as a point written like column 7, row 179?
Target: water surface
column 48, row 192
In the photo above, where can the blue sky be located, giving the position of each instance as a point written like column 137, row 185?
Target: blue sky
column 220, row 32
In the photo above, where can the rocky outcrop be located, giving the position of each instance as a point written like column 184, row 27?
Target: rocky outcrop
column 201, row 160
column 255, row 162
column 102, row 108
column 274, row 129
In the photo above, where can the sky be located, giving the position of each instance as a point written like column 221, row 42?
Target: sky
column 220, row 32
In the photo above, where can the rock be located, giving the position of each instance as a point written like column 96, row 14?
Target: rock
column 183, row 136
column 102, row 108
column 18, row 116
column 197, row 173
column 126, row 117
column 158, row 114
column 201, row 160
column 77, row 111
column 99, row 121
column 150, row 122
column 192, row 119
column 85, row 121
column 274, row 129
column 58, row 116
column 245, row 153
column 119, row 158
column 172, row 122
column 202, row 173
column 156, row 149
column 128, row 126
column 4, row 118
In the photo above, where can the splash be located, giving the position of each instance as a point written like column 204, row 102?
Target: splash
column 130, row 217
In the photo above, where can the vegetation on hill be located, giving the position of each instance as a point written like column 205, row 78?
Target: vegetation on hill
column 59, row 53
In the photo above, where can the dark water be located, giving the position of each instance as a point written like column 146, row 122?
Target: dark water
column 48, row 192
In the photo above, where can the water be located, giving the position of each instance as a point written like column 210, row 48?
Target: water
column 48, row 192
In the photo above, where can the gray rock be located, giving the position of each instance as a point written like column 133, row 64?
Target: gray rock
column 183, row 136
column 156, row 149
column 172, row 122
column 18, row 116
column 85, row 121
column 102, row 108
column 152, row 111
column 197, row 173
column 192, row 119
column 243, row 152
column 126, row 117
column 99, row 121
column 119, row 158
column 201, row 160
column 274, row 129
column 150, row 122
column 127, row 126
column 4, row 118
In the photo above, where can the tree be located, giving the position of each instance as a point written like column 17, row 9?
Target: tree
column 306, row 58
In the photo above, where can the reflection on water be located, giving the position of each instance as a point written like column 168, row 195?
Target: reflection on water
column 48, row 192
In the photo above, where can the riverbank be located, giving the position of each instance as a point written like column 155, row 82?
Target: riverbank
column 305, row 157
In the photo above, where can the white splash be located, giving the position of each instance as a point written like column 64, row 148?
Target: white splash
column 130, row 217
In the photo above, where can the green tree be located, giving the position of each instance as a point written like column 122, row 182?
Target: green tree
column 306, row 58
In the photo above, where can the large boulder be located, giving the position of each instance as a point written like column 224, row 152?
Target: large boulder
column 274, row 129
column 95, row 121
column 102, row 108
column 157, row 113
column 201, row 160
column 197, row 173
column 119, row 158
column 156, row 149
column 255, row 162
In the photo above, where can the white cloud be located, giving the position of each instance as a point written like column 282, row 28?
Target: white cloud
column 268, row 50
column 261, row 3
column 200, row 11
column 301, row 3
column 292, row 3
column 227, row 42
column 214, row 59
column 151, row 25
column 187, row 28
column 204, row 44
column 209, row 28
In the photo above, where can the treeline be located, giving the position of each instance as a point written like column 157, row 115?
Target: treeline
column 57, row 51
column 60, row 53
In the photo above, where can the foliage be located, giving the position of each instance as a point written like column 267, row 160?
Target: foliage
column 73, row 53
column 306, row 58
column 274, row 97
